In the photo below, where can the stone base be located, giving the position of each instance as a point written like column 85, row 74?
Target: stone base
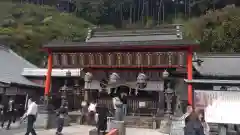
column 119, row 125
column 94, row 132
column 165, row 126
column 47, row 118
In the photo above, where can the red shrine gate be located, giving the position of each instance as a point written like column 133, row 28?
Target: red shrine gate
column 125, row 51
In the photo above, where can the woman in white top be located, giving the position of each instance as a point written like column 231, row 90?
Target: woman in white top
column 92, row 113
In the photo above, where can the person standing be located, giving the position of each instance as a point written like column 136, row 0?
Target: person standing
column 124, row 102
column 4, row 113
column 61, row 113
column 117, row 104
column 92, row 112
column 204, row 123
column 9, row 113
column 31, row 116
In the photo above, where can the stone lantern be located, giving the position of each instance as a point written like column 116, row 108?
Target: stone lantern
column 141, row 82
column 65, row 89
column 88, row 79
column 165, row 74
column 168, row 92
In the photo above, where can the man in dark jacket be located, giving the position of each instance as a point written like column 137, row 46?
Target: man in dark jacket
column 102, row 112
column 61, row 113
column 193, row 125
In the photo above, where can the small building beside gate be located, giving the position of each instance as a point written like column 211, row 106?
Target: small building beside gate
column 12, row 83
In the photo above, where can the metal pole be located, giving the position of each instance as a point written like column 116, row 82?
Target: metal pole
column 193, row 99
column 26, row 102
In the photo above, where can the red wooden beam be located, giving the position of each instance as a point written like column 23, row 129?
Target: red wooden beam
column 124, row 67
column 49, row 74
column 190, row 74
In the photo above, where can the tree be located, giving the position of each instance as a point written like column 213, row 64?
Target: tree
column 217, row 31
column 26, row 27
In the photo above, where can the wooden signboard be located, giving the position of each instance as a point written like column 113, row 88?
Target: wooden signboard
column 219, row 106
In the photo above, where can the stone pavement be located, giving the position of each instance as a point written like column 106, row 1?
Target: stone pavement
column 84, row 130
column 177, row 127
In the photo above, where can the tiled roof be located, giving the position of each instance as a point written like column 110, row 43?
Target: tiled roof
column 170, row 35
column 211, row 81
column 218, row 65
column 11, row 68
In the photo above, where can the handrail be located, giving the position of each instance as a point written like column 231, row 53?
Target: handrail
column 113, row 132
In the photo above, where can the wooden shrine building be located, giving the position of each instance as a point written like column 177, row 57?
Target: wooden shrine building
column 130, row 61
column 12, row 83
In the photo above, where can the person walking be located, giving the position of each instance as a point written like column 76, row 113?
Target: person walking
column 101, row 120
column 194, row 125
column 31, row 116
column 61, row 113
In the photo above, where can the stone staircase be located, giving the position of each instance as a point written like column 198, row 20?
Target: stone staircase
column 214, row 130
column 142, row 122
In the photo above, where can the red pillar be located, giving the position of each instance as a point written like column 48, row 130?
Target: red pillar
column 189, row 74
column 49, row 74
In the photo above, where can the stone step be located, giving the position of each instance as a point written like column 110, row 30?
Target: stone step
column 141, row 122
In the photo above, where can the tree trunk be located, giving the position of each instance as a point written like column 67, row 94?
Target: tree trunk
column 163, row 13
column 130, row 14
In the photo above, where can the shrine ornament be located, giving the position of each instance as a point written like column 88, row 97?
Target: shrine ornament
column 88, row 77
column 114, row 78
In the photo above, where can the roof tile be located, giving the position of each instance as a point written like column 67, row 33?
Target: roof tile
column 12, row 66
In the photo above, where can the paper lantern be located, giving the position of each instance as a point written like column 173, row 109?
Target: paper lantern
column 114, row 78
column 88, row 77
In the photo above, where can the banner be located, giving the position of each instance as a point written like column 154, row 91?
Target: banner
column 219, row 106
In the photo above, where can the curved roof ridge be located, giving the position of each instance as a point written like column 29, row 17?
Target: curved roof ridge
column 21, row 58
column 218, row 55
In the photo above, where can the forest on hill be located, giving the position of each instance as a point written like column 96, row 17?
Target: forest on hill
column 27, row 24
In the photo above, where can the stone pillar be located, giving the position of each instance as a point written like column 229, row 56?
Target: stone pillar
column 222, row 129
column 120, row 126
column 168, row 96
column 119, row 112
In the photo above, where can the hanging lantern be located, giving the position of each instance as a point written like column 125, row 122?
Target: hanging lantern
column 114, row 78
column 141, row 82
column 88, row 79
column 142, row 78
column 165, row 74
